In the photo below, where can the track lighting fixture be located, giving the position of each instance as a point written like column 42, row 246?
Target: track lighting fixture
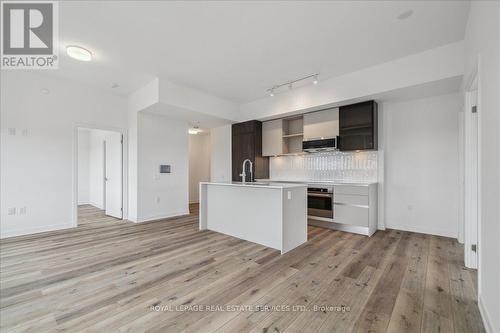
column 289, row 84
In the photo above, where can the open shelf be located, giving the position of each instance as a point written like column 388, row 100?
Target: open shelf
column 293, row 145
column 293, row 133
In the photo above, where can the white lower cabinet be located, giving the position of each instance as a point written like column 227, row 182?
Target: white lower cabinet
column 354, row 209
column 351, row 215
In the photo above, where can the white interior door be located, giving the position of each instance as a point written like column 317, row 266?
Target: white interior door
column 113, row 175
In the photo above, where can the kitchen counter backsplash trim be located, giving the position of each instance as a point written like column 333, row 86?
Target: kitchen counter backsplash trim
column 327, row 166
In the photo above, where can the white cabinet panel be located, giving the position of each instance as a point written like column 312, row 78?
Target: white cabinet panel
column 360, row 200
column 272, row 137
column 351, row 189
column 321, row 124
column 353, row 215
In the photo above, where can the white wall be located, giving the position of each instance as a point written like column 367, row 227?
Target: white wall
column 38, row 164
column 441, row 63
column 199, row 164
column 220, row 159
column 482, row 40
column 96, row 168
column 161, row 141
column 83, row 166
column 421, row 165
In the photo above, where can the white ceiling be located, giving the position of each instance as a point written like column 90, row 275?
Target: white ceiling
column 237, row 50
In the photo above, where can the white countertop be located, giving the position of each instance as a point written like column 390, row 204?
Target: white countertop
column 263, row 184
column 327, row 182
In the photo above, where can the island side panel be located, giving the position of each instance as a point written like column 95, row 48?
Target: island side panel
column 203, row 206
column 250, row 213
column 294, row 217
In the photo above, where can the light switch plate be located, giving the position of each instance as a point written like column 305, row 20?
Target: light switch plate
column 165, row 168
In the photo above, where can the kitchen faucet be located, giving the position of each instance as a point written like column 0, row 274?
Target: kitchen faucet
column 243, row 174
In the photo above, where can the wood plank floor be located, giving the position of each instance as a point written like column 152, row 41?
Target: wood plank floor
column 109, row 275
column 89, row 215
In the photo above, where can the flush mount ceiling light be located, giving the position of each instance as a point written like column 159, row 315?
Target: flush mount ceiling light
column 195, row 130
column 406, row 14
column 79, row 53
column 289, row 84
column 315, row 79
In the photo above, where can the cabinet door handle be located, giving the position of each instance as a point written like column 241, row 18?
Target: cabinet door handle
column 319, row 195
column 352, row 205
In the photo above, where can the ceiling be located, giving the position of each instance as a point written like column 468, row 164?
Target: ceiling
column 237, row 50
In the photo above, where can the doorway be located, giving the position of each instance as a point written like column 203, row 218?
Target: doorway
column 199, row 165
column 100, row 176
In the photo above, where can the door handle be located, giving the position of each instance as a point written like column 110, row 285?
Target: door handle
column 319, row 195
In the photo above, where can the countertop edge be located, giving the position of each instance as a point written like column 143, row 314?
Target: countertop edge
column 318, row 182
column 285, row 185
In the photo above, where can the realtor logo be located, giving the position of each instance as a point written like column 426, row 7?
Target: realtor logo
column 29, row 35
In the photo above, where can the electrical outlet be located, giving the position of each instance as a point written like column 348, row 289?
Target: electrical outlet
column 12, row 211
column 289, row 195
column 22, row 211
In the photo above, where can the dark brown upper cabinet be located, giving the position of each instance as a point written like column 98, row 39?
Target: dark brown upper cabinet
column 247, row 143
column 358, row 126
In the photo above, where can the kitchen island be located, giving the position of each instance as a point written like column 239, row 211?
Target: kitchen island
column 270, row 214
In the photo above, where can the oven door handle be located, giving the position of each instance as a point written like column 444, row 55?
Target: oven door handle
column 319, row 195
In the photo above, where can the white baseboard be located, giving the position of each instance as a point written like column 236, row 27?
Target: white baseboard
column 429, row 231
column 160, row 217
column 96, row 205
column 484, row 315
column 35, row 230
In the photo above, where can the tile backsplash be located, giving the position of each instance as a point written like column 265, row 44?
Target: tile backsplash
column 331, row 166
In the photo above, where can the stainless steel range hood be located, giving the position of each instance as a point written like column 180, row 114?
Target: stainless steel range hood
column 319, row 145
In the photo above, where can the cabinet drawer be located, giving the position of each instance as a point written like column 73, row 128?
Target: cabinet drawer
column 352, row 190
column 349, row 199
column 351, row 215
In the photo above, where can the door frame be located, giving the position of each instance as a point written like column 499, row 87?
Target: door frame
column 104, row 178
column 123, row 133
column 472, row 180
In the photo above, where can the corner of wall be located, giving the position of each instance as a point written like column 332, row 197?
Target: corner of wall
column 485, row 315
